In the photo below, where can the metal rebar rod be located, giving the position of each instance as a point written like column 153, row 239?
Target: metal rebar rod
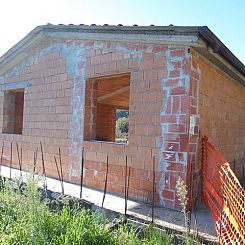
column 153, row 190
column 1, row 157
column 107, row 167
column 35, row 161
column 43, row 164
column 18, row 154
column 34, row 165
column 129, row 169
column 11, row 163
column 21, row 160
column 81, row 180
column 57, row 168
column 125, row 186
column 61, row 172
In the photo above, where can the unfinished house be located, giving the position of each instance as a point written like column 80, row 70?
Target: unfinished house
column 64, row 85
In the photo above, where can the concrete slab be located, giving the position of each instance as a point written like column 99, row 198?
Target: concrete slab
column 201, row 220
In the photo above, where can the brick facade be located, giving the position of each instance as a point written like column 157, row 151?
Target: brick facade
column 106, row 123
column 19, row 109
column 47, row 111
column 146, row 70
column 168, row 86
column 222, row 112
column 13, row 106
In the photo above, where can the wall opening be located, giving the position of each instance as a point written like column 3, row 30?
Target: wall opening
column 13, row 107
column 105, row 98
column 122, row 125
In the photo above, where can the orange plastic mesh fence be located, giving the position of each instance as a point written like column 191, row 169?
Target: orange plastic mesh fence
column 224, row 196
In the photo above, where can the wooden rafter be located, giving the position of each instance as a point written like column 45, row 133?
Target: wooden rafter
column 113, row 93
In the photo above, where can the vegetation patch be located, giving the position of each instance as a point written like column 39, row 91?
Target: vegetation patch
column 28, row 216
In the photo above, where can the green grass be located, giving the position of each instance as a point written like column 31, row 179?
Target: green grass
column 25, row 219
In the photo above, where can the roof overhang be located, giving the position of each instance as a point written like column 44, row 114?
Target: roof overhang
column 219, row 54
column 201, row 38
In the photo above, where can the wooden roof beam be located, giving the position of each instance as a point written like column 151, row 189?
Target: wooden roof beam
column 113, row 93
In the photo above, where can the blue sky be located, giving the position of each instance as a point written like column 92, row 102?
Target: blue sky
column 225, row 18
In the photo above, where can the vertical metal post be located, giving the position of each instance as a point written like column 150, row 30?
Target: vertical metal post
column 125, row 189
column 21, row 161
column 18, row 154
column 153, row 190
column 107, row 167
column 35, row 161
column 81, row 180
column 57, row 168
column 129, row 171
column 43, row 164
column 1, row 157
column 11, row 159
column 34, row 165
column 61, row 172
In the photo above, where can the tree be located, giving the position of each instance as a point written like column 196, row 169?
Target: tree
column 122, row 124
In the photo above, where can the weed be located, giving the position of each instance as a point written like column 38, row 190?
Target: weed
column 25, row 218
column 182, row 197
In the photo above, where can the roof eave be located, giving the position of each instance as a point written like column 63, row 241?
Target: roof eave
column 144, row 35
column 218, row 47
column 21, row 50
column 201, row 38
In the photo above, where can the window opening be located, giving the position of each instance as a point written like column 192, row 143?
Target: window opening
column 13, row 107
column 107, row 108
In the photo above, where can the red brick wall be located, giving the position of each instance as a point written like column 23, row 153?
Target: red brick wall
column 146, row 73
column 106, row 123
column 222, row 111
column 99, row 119
column 19, row 108
column 13, row 112
column 8, row 112
column 175, row 157
column 90, row 112
column 159, row 78
column 47, row 112
column 140, row 183
column 158, row 124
